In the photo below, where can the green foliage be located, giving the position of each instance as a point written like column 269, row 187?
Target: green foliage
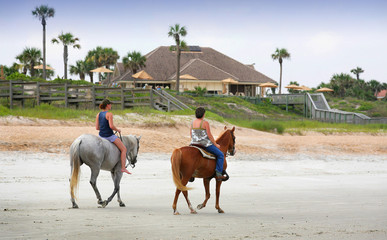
column 72, row 82
column 365, row 106
column 268, row 126
column 346, row 86
column 18, row 76
column 199, row 91
column 4, row 111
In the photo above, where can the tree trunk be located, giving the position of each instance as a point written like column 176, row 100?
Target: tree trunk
column 65, row 59
column 178, row 68
column 280, row 83
column 44, row 48
column 91, row 77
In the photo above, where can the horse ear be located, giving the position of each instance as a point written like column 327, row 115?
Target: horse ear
column 138, row 138
column 233, row 129
column 225, row 127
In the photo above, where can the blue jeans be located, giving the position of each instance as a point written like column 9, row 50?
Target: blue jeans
column 219, row 157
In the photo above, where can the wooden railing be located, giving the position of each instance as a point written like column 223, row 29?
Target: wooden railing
column 316, row 107
column 89, row 96
column 65, row 95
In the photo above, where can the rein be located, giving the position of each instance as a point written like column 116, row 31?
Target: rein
column 127, row 155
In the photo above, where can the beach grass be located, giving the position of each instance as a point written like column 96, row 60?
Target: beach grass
column 158, row 118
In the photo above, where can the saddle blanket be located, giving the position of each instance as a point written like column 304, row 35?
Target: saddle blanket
column 204, row 153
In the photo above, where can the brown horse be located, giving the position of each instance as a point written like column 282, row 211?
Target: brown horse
column 188, row 162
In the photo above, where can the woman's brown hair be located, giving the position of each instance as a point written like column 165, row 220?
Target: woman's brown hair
column 104, row 103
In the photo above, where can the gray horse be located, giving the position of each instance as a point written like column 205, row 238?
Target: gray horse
column 99, row 153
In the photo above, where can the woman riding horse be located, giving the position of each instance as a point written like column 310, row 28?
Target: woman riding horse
column 104, row 123
column 201, row 135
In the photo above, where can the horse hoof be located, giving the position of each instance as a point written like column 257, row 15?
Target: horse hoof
column 193, row 212
column 220, row 210
column 104, row 204
column 75, row 206
column 200, row 206
column 122, row 205
column 176, row 213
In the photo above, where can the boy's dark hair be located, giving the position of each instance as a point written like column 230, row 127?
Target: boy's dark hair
column 199, row 113
column 104, row 103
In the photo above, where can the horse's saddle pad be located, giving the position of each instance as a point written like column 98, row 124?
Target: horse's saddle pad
column 204, row 153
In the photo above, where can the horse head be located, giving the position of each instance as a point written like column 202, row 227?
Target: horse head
column 231, row 141
column 132, row 144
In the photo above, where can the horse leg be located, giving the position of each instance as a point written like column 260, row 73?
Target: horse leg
column 184, row 181
column 175, row 202
column 218, row 184
column 116, row 179
column 116, row 176
column 119, row 199
column 185, row 193
column 93, row 182
column 206, row 183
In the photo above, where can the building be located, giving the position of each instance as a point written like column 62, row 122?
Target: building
column 381, row 95
column 202, row 66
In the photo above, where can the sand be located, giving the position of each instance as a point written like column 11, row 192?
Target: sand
column 281, row 187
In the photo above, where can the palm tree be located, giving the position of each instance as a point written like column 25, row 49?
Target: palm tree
column 375, row 86
column 102, row 57
column 176, row 32
column 341, row 83
column 42, row 13
column 280, row 54
column 79, row 68
column 89, row 65
column 67, row 39
column 134, row 61
column 30, row 57
column 357, row 72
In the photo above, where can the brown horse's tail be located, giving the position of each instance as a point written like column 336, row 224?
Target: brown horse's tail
column 75, row 162
column 176, row 162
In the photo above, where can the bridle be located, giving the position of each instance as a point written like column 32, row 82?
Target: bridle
column 127, row 154
column 232, row 153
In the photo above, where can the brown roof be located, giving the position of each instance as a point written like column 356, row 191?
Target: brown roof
column 208, row 64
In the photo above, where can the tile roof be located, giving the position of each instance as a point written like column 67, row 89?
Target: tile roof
column 208, row 64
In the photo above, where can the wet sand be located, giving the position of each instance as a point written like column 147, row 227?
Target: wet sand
column 280, row 187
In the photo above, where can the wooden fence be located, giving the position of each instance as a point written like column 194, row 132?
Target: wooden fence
column 316, row 107
column 89, row 96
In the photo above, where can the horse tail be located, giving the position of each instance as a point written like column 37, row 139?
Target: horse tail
column 176, row 162
column 75, row 162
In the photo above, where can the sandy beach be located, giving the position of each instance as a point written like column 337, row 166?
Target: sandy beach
column 313, row 186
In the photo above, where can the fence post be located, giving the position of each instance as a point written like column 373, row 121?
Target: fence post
column 22, row 93
column 66, row 95
column 10, row 94
column 151, row 98
column 169, row 105
column 122, row 99
column 287, row 103
column 38, row 93
column 304, row 105
column 93, row 96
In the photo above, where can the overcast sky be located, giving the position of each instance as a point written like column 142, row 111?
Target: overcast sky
column 323, row 37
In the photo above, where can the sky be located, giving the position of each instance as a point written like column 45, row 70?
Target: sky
column 323, row 37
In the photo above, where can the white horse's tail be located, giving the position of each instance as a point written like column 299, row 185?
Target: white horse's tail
column 75, row 162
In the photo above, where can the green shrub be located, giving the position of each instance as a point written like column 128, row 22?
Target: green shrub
column 4, row 111
column 365, row 106
column 268, row 126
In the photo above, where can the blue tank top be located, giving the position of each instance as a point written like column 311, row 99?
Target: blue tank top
column 104, row 128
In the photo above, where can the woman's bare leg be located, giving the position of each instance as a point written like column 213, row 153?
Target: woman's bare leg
column 122, row 148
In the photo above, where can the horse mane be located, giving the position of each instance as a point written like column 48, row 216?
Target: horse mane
column 221, row 135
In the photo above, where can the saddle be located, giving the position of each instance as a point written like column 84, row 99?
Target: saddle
column 204, row 153
column 207, row 155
